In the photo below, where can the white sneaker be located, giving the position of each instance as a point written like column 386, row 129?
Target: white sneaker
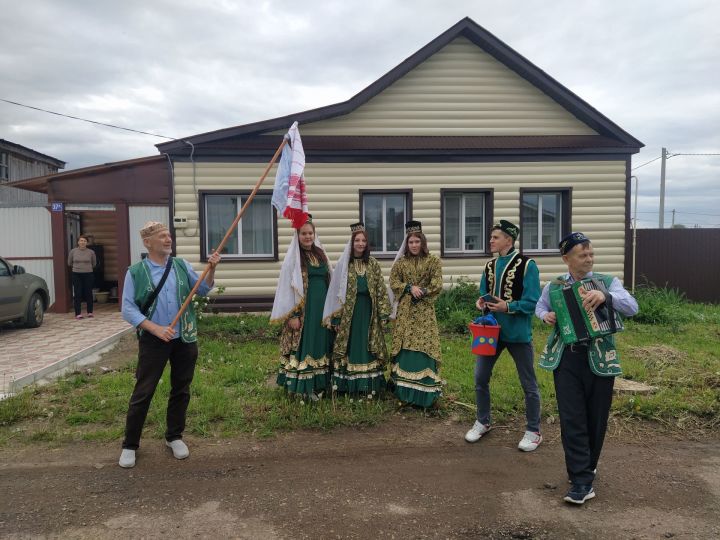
column 179, row 448
column 530, row 441
column 127, row 458
column 478, row 430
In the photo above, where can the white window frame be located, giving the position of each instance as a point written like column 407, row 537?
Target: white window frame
column 461, row 250
column 407, row 194
column 561, row 194
column 241, row 196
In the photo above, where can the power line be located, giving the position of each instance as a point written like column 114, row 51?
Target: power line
column 646, row 163
column 678, row 212
column 684, row 154
column 673, row 155
column 86, row 120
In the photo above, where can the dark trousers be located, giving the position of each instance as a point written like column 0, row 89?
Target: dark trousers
column 584, row 401
column 82, row 283
column 154, row 354
column 522, row 354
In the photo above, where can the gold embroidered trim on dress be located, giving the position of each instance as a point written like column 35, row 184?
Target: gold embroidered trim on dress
column 371, row 375
column 417, row 375
column 358, row 367
column 309, row 362
column 360, row 267
column 427, row 388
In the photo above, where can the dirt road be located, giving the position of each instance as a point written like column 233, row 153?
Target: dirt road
column 410, row 478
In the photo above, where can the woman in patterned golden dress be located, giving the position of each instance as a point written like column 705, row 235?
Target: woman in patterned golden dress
column 416, row 281
column 357, row 306
column 305, row 344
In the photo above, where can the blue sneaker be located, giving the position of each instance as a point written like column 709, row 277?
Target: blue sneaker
column 579, row 493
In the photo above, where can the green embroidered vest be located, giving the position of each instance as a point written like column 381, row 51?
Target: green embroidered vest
column 144, row 287
column 603, row 357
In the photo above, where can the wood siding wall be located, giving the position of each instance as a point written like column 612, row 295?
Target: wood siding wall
column 460, row 90
column 598, row 208
column 102, row 226
column 21, row 167
column 683, row 259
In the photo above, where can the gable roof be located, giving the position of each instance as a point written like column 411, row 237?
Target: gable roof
column 31, row 154
column 466, row 28
column 40, row 183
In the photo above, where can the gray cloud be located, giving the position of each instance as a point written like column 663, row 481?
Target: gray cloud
column 179, row 68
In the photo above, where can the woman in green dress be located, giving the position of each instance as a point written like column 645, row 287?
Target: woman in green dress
column 305, row 345
column 357, row 307
column 415, row 282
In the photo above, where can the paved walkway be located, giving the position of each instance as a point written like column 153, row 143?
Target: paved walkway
column 29, row 354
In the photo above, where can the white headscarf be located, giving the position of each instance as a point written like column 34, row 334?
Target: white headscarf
column 337, row 291
column 290, row 292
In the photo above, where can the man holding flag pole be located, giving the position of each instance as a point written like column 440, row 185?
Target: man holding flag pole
column 153, row 290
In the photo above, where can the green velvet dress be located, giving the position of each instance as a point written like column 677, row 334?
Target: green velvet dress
column 360, row 369
column 304, row 368
column 416, row 340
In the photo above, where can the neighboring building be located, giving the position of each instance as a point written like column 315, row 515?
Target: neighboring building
column 24, row 216
column 17, row 163
column 109, row 202
column 462, row 133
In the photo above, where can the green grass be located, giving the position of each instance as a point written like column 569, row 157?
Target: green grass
column 234, row 391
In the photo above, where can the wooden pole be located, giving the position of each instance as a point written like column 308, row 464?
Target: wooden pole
column 228, row 233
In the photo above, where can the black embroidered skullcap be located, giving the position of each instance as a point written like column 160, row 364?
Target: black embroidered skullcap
column 357, row 227
column 508, row 228
column 413, row 226
column 572, row 240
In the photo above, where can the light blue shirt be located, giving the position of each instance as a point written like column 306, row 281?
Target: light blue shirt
column 623, row 301
column 167, row 301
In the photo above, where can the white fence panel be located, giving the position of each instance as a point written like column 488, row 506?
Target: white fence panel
column 26, row 240
column 25, row 232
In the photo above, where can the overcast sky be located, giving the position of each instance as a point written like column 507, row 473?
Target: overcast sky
column 180, row 67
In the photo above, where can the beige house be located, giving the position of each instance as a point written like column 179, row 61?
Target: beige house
column 462, row 133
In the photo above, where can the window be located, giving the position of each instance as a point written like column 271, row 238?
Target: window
column 384, row 214
column 465, row 218
column 4, row 270
column 255, row 236
column 4, row 167
column 544, row 219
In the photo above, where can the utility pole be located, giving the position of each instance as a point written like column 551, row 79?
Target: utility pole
column 661, row 223
column 673, row 220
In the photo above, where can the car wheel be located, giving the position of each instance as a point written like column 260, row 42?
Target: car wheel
column 35, row 311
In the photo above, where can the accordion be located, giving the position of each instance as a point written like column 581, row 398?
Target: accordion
column 577, row 324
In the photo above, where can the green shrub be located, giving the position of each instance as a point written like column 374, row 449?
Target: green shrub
column 662, row 306
column 455, row 307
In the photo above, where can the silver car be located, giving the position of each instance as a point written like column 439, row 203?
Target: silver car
column 23, row 297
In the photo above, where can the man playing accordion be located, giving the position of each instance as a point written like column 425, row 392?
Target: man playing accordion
column 584, row 372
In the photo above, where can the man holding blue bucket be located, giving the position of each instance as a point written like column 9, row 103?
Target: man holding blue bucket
column 509, row 289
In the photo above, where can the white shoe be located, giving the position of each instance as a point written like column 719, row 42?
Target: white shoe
column 127, row 458
column 530, row 441
column 179, row 448
column 478, row 430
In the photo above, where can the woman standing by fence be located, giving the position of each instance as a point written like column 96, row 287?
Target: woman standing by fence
column 82, row 261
